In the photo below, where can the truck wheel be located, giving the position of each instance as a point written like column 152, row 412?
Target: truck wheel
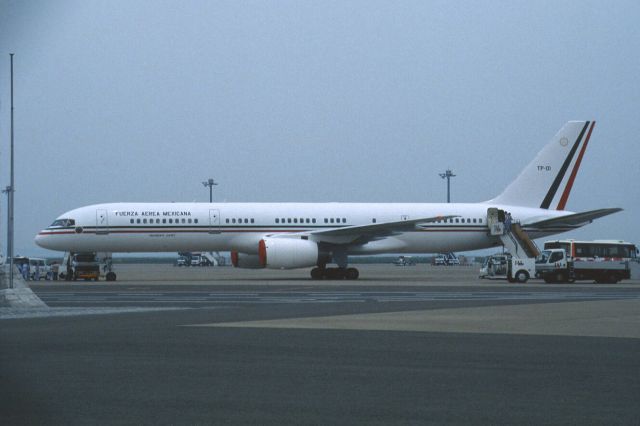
column 111, row 276
column 560, row 277
column 612, row 278
column 522, row 276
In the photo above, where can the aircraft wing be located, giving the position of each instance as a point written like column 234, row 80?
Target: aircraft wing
column 575, row 220
column 361, row 234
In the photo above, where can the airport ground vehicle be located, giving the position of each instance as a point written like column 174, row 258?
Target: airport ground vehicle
column 38, row 267
column 404, row 261
column 442, row 259
column 605, row 261
column 84, row 266
column 506, row 266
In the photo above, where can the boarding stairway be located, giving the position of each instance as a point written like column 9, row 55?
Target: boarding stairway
column 514, row 239
column 214, row 258
column 518, row 243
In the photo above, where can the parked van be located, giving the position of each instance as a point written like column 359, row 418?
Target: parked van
column 41, row 265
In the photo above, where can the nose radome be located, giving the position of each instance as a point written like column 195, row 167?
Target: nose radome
column 41, row 240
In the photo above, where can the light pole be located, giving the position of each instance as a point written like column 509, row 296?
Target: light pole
column 448, row 175
column 210, row 183
column 10, row 191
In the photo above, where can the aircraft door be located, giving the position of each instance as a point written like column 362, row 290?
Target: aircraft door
column 102, row 222
column 214, row 221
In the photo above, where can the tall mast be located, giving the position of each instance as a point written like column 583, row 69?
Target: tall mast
column 11, row 191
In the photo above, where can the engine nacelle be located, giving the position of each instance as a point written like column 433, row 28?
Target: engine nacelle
column 247, row 261
column 287, row 253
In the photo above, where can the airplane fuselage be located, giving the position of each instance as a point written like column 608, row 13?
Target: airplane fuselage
column 173, row 227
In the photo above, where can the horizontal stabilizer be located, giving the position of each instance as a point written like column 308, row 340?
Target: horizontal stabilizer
column 573, row 220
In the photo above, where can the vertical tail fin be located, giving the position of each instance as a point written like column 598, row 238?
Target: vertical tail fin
column 547, row 181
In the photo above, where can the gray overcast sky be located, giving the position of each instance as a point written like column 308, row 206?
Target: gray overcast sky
column 313, row 101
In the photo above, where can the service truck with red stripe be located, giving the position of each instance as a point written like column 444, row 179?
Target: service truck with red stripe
column 604, row 261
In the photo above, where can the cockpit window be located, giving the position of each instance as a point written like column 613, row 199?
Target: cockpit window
column 63, row 222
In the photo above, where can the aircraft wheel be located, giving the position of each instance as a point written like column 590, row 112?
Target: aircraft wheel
column 352, row 274
column 334, row 273
column 317, row 273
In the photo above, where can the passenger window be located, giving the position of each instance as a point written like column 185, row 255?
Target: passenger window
column 313, row 220
column 195, row 220
column 295, row 220
column 170, row 220
column 144, row 220
column 252, row 221
column 233, row 220
column 277, row 220
column 308, row 221
column 344, row 220
column 332, row 220
column 373, row 220
column 184, row 221
column 288, row 220
column 132, row 220
column 227, row 220
column 282, row 220
column 474, row 220
column 326, row 220
column 189, row 220
column 246, row 221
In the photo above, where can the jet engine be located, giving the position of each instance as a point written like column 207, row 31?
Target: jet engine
column 287, row 253
column 247, row 261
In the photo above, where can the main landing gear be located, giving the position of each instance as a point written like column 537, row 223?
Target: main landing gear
column 319, row 273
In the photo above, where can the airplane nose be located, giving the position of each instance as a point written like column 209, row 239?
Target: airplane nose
column 41, row 240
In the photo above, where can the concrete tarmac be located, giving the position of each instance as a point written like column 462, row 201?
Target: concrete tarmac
column 403, row 345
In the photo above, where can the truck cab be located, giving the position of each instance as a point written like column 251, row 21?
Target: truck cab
column 551, row 259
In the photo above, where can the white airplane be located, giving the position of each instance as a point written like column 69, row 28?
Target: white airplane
column 300, row 235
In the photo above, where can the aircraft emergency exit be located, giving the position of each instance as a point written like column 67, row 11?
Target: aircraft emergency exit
column 300, row 235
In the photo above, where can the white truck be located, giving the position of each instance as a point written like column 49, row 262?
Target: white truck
column 603, row 261
column 555, row 266
column 505, row 266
